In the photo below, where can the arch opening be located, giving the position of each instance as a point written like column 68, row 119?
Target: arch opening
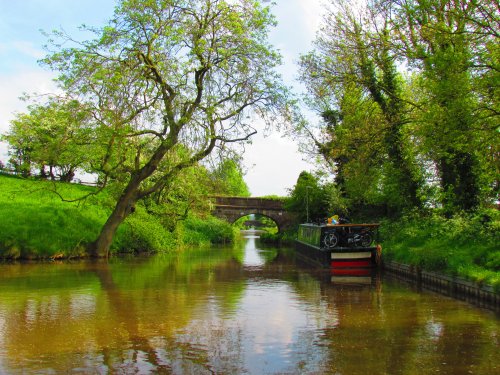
column 258, row 222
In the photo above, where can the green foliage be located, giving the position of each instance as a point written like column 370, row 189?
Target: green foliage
column 308, row 199
column 142, row 232
column 465, row 245
column 453, row 116
column 267, row 224
column 187, row 192
column 315, row 200
column 448, row 122
column 199, row 231
column 53, row 136
column 354, row 83
column 264, row 223
column 356, row 148
column 279, row 238
column 227, row 179
column 404, row 141
column 274, row 197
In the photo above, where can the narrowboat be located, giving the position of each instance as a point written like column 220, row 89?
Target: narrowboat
column 345, row 248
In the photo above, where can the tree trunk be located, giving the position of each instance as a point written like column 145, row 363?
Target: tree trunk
column 42, row 172
column 459, row 182
column 125, row 204
column 100, row 247
column 408, row 184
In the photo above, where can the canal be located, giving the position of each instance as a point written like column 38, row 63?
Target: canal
column 244, row 309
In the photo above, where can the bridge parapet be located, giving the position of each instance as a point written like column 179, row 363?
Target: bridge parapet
column 261, row 203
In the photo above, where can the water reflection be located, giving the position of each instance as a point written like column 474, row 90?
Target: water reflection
column 249, row 309
column 252, row 257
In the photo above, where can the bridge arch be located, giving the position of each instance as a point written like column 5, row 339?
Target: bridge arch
column 256, row 221
column 233, row 208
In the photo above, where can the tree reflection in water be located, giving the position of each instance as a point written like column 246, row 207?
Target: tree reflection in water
column 247, row 309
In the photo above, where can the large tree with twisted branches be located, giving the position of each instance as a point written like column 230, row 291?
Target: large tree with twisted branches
column 168, row 82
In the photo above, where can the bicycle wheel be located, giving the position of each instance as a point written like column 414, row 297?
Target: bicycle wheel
column 331, row 240
column 365, row 239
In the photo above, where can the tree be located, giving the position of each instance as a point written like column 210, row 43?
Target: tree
column 52, row 135
column 308, row 199
column 165, row 75
column 451, row 44
column 20, row 147
column 228, row 179
column 353, row 56
column 430, row 69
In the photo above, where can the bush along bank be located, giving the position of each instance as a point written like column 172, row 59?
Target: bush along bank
column 36, row 224
column 466, row 246
column 280, row 238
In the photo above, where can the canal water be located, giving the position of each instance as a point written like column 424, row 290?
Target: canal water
column 245, row 309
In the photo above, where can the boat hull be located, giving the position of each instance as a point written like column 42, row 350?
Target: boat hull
column 311, row 244
column 341, row 258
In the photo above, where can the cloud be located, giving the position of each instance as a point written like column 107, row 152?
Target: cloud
column 312, row 13
column 19, row 73
column 27, row 49
column 18, row 54
column 24, row 80
column 13, row 86
column 274, row 165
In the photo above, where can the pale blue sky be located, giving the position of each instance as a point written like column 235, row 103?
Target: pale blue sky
column 273, row 163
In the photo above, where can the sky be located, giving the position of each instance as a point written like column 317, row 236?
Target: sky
column 272, row 163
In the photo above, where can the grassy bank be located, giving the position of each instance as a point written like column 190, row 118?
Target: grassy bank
column 467, row 246
column 37, row 224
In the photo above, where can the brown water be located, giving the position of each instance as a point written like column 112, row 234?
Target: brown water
column 242, row 310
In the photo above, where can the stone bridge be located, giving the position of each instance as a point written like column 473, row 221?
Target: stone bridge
column 233, row 208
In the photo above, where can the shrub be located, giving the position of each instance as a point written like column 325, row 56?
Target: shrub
column 197, row 231
column 143, row 233
column 279, row 238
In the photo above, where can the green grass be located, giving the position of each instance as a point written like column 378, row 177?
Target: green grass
column 36, row 224
column 467, row 246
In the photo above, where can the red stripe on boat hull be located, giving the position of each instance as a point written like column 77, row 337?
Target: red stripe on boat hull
column 351, row 264
column 351, row 271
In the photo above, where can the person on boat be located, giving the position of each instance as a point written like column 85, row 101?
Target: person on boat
column 333, row 220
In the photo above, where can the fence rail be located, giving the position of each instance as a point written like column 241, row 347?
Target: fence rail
column 13, row 172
